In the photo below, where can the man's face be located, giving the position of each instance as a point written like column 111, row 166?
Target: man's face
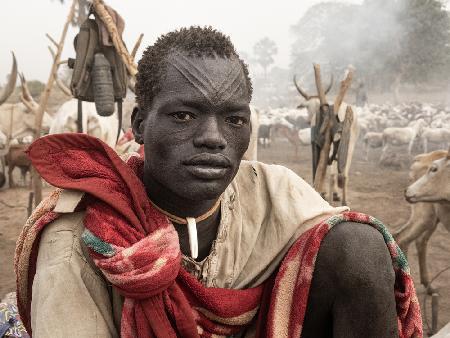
column 198, row 127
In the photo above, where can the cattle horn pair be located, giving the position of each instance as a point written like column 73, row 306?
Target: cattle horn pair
column 9, row 88
column 308, row 97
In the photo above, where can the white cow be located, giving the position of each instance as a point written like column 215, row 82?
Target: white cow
column 439, row 136
column 372, row 140
column 401, row 136
column 22, row 123
column 304, row 136
column 102, row 127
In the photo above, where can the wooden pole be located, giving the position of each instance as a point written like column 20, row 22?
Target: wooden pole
column 102, row 12
column 345, row 85
column 37, row 182
column 11, row 123
column 319, row 86
column 326, row 125
column 434, row 312
column 324, row 130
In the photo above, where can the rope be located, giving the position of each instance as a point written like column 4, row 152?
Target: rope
column 183, row 220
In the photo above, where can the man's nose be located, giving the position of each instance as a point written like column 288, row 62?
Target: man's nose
column 209, row 135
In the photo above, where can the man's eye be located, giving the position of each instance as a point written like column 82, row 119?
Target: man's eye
column 236, row 120
column 183, row 116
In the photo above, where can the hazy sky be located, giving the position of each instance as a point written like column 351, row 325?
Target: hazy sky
column 23, row 24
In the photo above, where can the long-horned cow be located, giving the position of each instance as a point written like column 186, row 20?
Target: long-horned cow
column 312, row 104
column 11, row 85
column 17, row 119
column 17, row 122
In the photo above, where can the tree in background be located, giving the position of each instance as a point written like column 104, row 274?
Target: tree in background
column 390, row 42
column 323, row 36
column 36, row 87
column 264, row 51
column 425, row 50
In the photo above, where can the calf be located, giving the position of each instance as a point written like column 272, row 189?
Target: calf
column 425, row 213
column 372, row 140
column 434, row 185
column 401, row 136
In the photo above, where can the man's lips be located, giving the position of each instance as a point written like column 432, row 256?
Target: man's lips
column 208, row 160
column 208, row 166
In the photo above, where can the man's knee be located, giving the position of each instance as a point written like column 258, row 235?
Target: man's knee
column 364, row 301
column 357, row 258
column 353, row 283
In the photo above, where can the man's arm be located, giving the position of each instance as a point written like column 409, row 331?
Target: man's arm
column 352, row 291
column 69, row 298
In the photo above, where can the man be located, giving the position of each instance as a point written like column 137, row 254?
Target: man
column 361, row 95
column 110, row 245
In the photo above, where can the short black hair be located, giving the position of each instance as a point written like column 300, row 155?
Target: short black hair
column 194, row 41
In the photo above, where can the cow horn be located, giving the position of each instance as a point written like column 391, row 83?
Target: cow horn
column 330, row 85
column 132, row 78
column 302, row 93
column 25, row 96
column 9, row 88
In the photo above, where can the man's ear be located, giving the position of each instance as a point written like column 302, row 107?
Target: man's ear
column 137, row 124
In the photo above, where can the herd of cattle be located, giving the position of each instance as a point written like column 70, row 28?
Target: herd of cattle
column 405, row 127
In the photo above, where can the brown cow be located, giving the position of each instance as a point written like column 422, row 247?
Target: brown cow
column 16, row 157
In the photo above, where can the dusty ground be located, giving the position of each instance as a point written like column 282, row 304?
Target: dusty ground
column 373, row 190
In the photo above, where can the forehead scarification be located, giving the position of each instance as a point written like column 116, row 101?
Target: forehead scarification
column 217, row 79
